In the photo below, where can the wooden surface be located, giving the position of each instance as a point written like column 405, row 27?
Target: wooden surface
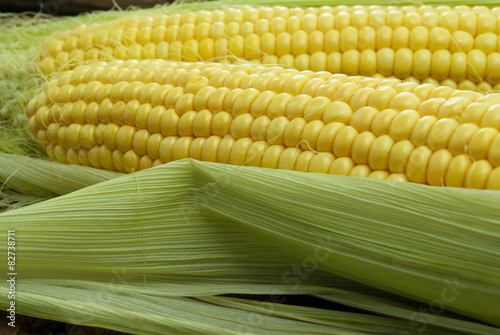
column 71, row 7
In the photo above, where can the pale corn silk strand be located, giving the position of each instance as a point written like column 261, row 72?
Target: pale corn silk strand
column 267, row 230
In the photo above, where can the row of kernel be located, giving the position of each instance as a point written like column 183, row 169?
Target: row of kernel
column 101, row 157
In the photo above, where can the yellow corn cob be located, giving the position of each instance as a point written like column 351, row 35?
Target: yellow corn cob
column 132, row 115
column 457, row 47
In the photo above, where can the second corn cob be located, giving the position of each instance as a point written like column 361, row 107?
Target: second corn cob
column 457, row 47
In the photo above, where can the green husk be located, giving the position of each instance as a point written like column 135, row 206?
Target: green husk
column 192, row 228
column 44, row 178
column 151, row 314
column 148, row 253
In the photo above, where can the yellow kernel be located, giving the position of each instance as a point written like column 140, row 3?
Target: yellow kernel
column 461, row 137
column 457, row 169
column 363, row 118
column 278, row 105
column 216, row 100
column 416, row 168
column 124, row 138
column 288, row 158
column 221, row 123
column 154, row 119
column 419, row 38
column 258, row 129
column 131, row 161
column 73, row 135
column 271, row 156
column 153, row 145
column 244, row 101
column 132, row 90
column 379, row 174
column 493, row 182
column 239, row 150
column 403, row 63
column 382, row 121
column 360, row 98
column 321, row 163
column 494, row 151
column 276, row 130
column 350, row 62
column 342, row 166
column 293, row 133
column 60, row 155
column 304, row 160
column 491, row 118
column 405, row 100
column 344, row 140
column 310, row 134
column 453, row 107
column 480, row 143
column 379, row 152
column 345, row 92
column 431, row 106
column 41, row 118
column 261, row 103
column 361, row 147
column 145, row 163
column 360, row 171
column 476, row 66
column 438, row 166
column 403, row 124
column 140, row 141
column 327, row 135
column 181, row 148
column 486, row 23
column 381, row 97
column 385, row 61
column 440, row 133
column 399, row 177
column 240, row 126
column 72, row 156
column 315, row 108
column 337, row 112
column 478, row 174
column 439, row 38
column 255, row 153
column 419, row 135
column 401, row 37
column 185, row 125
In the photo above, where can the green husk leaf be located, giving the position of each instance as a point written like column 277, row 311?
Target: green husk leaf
column 148, row 313
column 45, row 178
column 192, row 228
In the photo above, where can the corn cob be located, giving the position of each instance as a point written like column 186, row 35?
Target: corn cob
column 131, row 115
column 457, row 47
